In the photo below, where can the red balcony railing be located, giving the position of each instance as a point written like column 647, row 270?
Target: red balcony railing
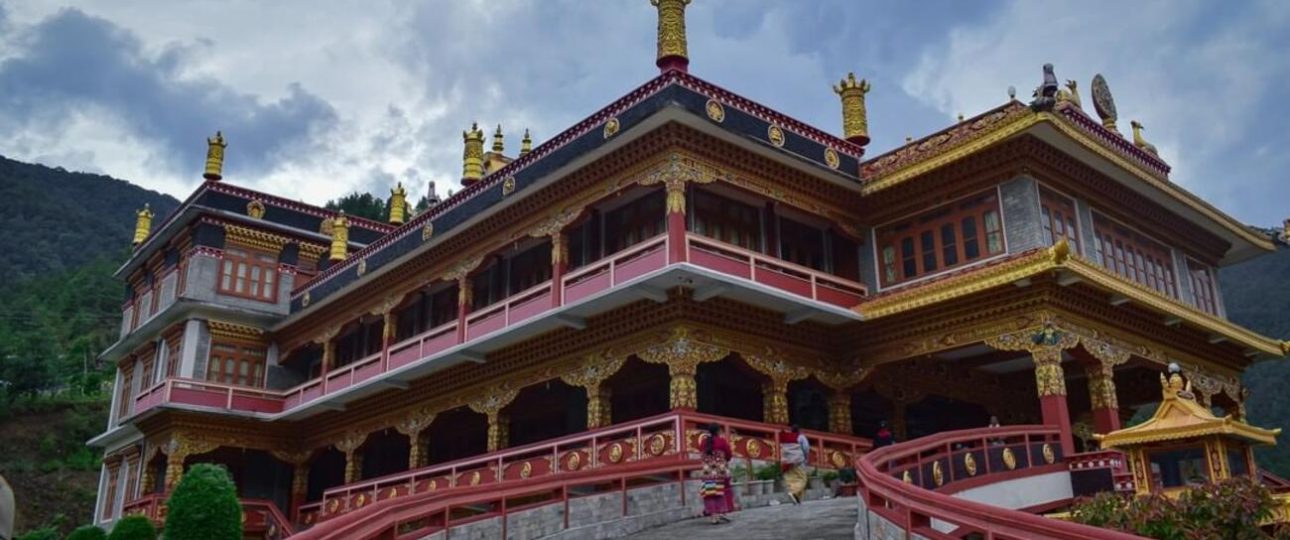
column 908, row 484
column 598, row 277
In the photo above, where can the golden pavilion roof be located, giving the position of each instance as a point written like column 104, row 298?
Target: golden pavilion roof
column 1180, row 417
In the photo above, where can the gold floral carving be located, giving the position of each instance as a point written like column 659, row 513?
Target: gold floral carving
column 611, row 127
column 673, row 176
column 831, row 158
column 508, row 186
column 682, row 350
column 254, row 238
column 671, row 28
column 1101, row 387
column 775, row 135
column 491, row 404
column 427, row 231
column 1049, row 456
column 1045, row 347
column 657, row 444
column 589, row 374
column 526, row 470
column 969, row 463
column 715, row 111
column 462, row 268
column 255, row 209
column 616, row 453
column 574, row 461
column 937, row 475
column 1009, row 459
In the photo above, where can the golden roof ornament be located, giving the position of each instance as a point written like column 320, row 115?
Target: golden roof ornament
column 1103, row 103
column 398, row 204
column 526, row 144
column 1140, row 142
column 215, row 157
column 472, row 155
column 142, row 224
column 672, row 53
column 339, row 237
column 855, row 121
column 497, row 139
column 1070, row 94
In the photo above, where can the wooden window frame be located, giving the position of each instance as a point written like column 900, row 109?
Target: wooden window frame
column 240, row 367
column 721, row 224
column 249, row 273
column 1204, row 290
column 1139, row 258
column 1059, row 216
column 906, row 238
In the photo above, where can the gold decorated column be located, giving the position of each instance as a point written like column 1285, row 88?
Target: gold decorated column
column 414, row 425
column 398, row 204
column 1101, row 396
column 780, row 371
column 590, row 373
column 339, row 237
column 349, row 445
column 472, row 157
column 142, row 225
column 215, row 157
column 1045, row 347
column 672, row 50
column 840, row 380
column 682, row 352
column 774, row 400
column 491, row 404
column 840, row 412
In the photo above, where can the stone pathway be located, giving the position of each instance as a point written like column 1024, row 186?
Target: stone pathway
column 818, row 520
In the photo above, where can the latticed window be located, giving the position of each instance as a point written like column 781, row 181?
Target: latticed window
column 635, row 222
column 240, row 364
column 1202, row 285
column 947, row 237
column 249, row 273
column 1134, row 256
column 1058, row 213
column 724, row 219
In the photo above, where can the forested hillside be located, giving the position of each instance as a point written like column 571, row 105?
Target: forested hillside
column 1257, row 295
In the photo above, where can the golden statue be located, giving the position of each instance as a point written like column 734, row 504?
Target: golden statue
column 1140, row 142
column 855, row 122
column 473, row 155
column 142, row 224
column 398, row 204
column 339, row 237
column 672, row 53
column 1070, row 94
column 215, row 157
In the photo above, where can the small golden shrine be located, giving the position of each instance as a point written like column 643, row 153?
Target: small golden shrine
column 1184, row 444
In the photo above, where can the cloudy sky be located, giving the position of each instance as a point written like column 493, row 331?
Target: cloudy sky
column 321, row 98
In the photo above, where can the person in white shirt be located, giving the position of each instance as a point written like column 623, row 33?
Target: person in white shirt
column 795, row 450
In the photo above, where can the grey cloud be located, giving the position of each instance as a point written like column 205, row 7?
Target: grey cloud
column 71, row 62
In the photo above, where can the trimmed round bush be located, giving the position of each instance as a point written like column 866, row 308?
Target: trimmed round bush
column 133, row 528
column 204, row 506
column 88, row 532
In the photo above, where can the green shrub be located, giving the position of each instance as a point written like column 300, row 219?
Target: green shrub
column 829, row 476
column 1228, row 509
column 769, row 471
column 204, row 506
column 88, row 532
column 133, row 528
column 43, row 533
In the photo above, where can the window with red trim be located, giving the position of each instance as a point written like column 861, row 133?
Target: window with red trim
column 249, row 273
column 727, row 220
column 947, row 237
column 238, row 364
column 635, row 221
column 1134, row 256
column 1058, row 218
column 127, row 390
column 1202, row 286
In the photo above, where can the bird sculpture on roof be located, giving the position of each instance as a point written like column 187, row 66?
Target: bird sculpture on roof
column 1046, row 94
column 1140, row 142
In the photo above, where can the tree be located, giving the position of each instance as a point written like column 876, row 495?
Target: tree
column 88, row 532
column 133, row 528
column 204, row 506
column 363, row 205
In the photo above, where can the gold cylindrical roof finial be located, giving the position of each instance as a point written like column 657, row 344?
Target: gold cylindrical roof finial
column 215, row 157
column 526, row 144
column 672, row 53
column 142, row 225
column 473, row 155
column 339, row 237
column 398, row 204
column 855, row 122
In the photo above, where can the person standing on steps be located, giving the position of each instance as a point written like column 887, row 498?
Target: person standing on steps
column 716, row 492
column 794, row 451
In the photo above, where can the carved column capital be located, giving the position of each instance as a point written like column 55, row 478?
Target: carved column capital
column 494, row 399
column 772, row 364
column 673, row 175
column 682, row 350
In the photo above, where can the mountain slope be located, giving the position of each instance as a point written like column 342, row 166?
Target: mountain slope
column 1257, row 296
column 53, row 220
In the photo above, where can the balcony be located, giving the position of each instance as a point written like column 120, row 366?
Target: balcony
column 643, row 269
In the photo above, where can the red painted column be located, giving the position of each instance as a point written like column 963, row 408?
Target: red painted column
column 559, row 265
column 677, row 249
column 1051, row 383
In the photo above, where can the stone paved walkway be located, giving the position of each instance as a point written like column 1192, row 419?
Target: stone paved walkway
column 832, row 519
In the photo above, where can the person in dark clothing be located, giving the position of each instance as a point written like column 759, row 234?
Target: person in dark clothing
column 884, row 437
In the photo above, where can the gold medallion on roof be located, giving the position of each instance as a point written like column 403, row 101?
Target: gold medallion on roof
column 715, row 111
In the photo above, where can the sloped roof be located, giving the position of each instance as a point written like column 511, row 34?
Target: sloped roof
column 1180, row 417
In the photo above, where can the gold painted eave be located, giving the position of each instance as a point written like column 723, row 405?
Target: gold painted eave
column 1054, row 259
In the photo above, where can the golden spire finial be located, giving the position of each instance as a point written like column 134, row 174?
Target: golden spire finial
column 215, row 157
column 398, row 204
column 339, row 237
column 672, row 53
column 497, row 139
column 855, row 121
column 142, row 224
column 526, row 145
column 473, row 156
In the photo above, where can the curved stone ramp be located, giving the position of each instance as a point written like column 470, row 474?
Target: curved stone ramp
column 828, row 519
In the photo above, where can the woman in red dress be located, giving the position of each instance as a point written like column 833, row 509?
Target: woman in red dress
column 716, row 487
